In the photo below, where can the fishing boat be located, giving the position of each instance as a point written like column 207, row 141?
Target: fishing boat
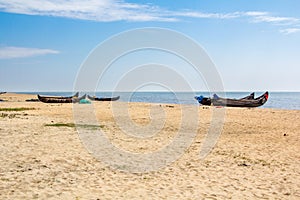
column 243, row 102
column 73, row 99
column 207, row 101
column 103, row 98
column 2, row 92
column 76, row 95
column 259, row 101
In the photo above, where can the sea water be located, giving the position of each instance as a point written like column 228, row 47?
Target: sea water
column 278, row 100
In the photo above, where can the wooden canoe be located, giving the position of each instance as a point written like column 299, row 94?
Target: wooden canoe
column 207, row 101
column 76, row 95
column 47, row 99
column 103, row 98
column 259, row 101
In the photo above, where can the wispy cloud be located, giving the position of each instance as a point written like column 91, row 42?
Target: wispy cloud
column 287, row 24
column 21, row 52
column 104, row 10
column 204, row 15
column 255, row 13
column 117, row 10
column 265, row 17
column 290, row 31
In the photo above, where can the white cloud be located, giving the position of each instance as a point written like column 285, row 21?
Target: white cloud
column 276, row 20
column 264, row 17
column 117, row 10
column 255, row 13
column 290, row 31
column 113, row 10
column 205, row 15
column 261, row 17
column 21, row 52
column 104, row 10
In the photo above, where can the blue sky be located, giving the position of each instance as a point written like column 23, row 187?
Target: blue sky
column 254, row 44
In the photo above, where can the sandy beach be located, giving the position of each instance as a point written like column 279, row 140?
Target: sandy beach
column 256, row 157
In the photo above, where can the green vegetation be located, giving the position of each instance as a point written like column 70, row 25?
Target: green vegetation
column 16, row 109
column 61, row 124
column 72, row 125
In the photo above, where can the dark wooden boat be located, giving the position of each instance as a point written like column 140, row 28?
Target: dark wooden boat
column 259, row 101
column 73, row 99
column 103, row 98
column 76, row 95
column 251, row 96
column 2, row 92
column 207, row 101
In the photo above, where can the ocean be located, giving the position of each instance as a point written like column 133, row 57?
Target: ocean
column 278, row 100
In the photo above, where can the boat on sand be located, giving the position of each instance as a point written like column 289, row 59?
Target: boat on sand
column 103, row 98
column 248, row 101
column 52, row 99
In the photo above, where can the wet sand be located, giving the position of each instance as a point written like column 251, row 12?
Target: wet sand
column 256, row 157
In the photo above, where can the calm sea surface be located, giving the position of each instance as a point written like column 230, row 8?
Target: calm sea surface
column 280, row 100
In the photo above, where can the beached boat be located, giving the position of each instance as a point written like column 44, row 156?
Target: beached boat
column 259, row 101
column 103, row 98
column 2, row 92
column 207, row 101
column 73, row 99
column 243, row 102
column 76, row 95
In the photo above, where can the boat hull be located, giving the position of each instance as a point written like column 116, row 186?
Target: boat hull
column 250, row 103
column 104, row 98
column 207, row 101
column 46, row 99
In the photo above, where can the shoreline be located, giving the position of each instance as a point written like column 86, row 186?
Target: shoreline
column 18, row 97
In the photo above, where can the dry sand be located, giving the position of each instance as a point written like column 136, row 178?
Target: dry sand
column 257, row 155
